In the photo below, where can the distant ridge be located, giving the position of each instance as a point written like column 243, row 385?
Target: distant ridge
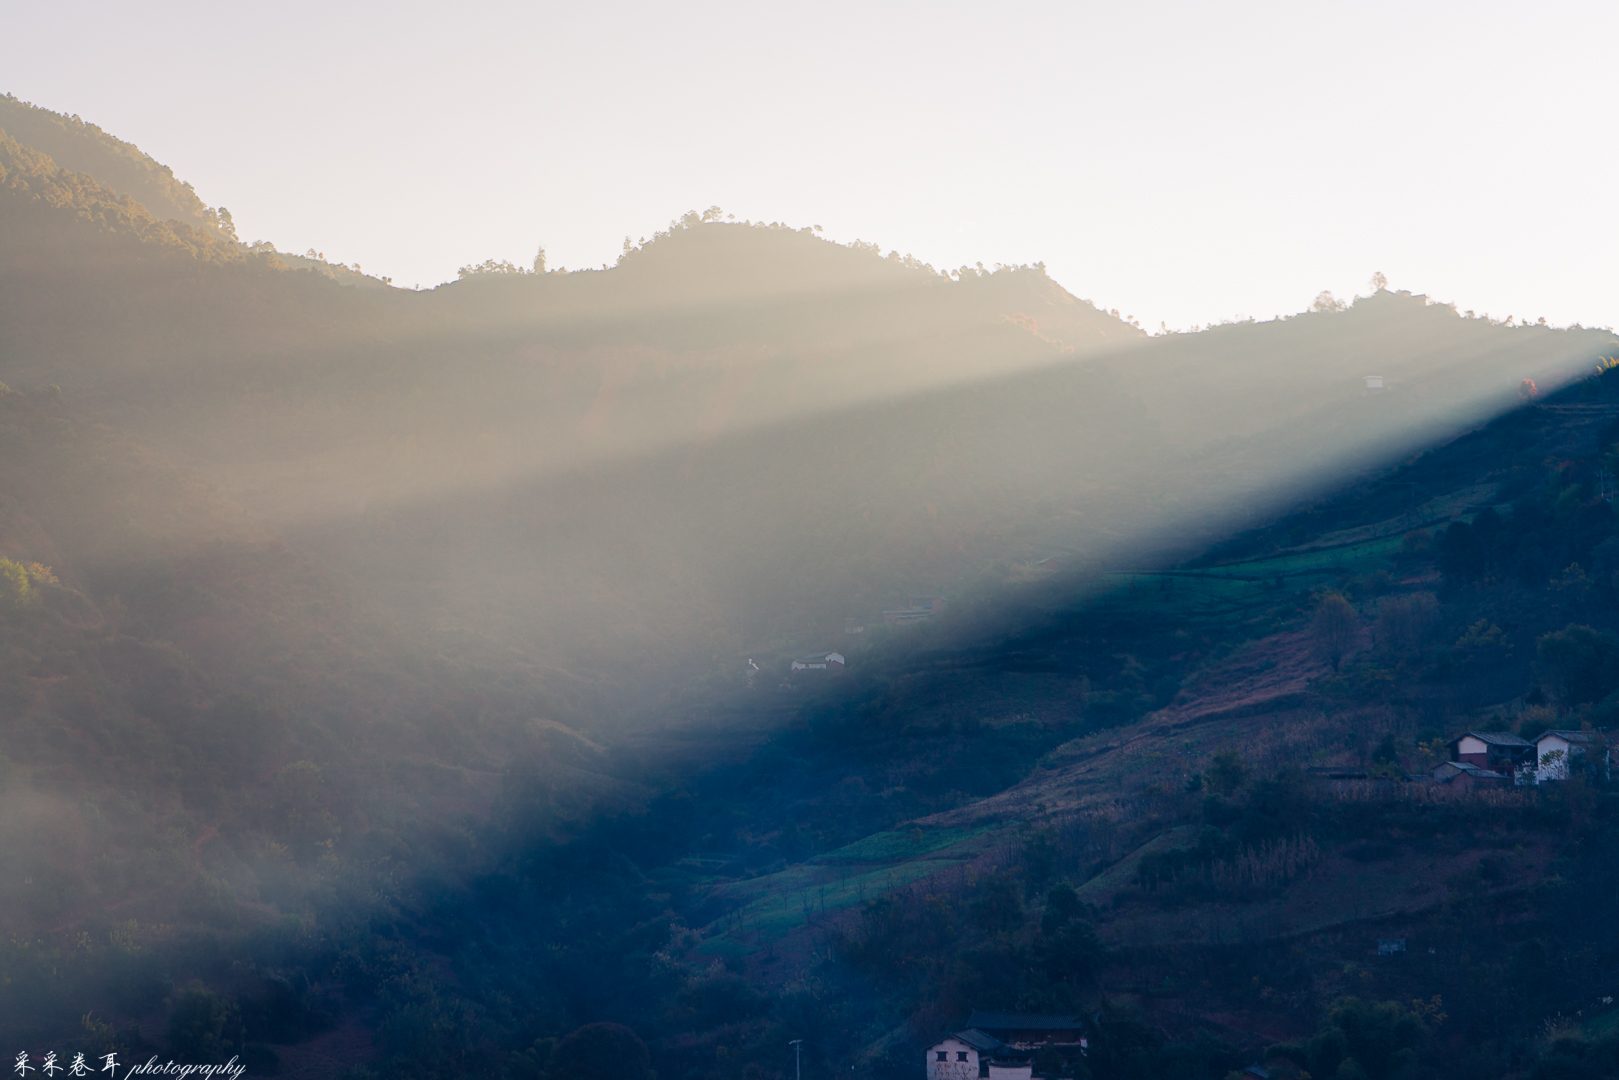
column 81, row 146
column 61, row 198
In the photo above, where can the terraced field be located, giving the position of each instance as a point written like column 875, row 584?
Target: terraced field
column 770, row 908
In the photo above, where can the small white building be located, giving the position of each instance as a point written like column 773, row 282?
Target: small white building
column 830, row 662
column 1374, row 382
column 962, row 1056
column 1556, row 751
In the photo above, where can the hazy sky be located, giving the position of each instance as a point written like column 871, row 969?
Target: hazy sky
column 1181, row 162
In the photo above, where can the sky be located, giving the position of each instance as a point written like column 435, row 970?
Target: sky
column 1182, row 163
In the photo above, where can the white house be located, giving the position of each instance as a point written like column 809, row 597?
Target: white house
column 1555, row 751
column 963, row 1056
column 1374, row 382
column 830, row 662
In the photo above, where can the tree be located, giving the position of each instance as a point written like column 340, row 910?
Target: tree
column 204, row 1028
column 1073, row 954
column 1403, row 621
column 1378, row 1038
column 1333, row 628
column 1579, row 664
column 1463, row 551
column 998, row 907
column 1326, row 302
column 1378, row 282
column 1062, row 905
column 1227, row 774
column 491, row 266
column 601, row 1052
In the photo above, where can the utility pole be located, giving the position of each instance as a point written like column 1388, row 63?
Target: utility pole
column 798, row 1067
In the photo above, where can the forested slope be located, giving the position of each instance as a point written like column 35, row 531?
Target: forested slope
column 83, row 147
column 390, row 669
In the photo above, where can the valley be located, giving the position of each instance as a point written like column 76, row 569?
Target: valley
column 401, row 680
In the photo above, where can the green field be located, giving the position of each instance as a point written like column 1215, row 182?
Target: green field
column 1222, row 592
column 775, row 905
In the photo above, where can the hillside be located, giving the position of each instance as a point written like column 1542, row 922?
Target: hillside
column 1232, row 895
column 202, row 728
column 83, row 147
column 380, row 659
column 977, row 822
column 470, row 454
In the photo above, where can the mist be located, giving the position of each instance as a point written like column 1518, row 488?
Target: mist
column 413, row 679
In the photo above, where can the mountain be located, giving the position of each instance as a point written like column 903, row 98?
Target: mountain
column 510, row 419
column 413, row 666
column 1259, row 867
column 82, row 147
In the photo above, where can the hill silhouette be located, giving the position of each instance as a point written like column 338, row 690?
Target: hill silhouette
column 351, row 419
column 82, row 147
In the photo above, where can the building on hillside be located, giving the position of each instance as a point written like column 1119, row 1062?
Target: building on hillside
column 962, row 1056
column 1001, row 1046
column 1028, row 1031
column 1374, row 382
column 1498, row 751
column 1466, row 774
column 917, row 609
column 832, row 663
column 1559, row 752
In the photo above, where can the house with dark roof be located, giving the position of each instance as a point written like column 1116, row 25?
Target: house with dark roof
column 830, row 663
column 1558, row 753
column 1466, row 774
column 964, row 1055
column 1001, row 1046
column 1498, row 751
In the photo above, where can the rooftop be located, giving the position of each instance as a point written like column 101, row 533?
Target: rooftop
column 1494, row 738
column 1569, row 736
column 1453, row 769
column 996, row 1021
column 978, row 1040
